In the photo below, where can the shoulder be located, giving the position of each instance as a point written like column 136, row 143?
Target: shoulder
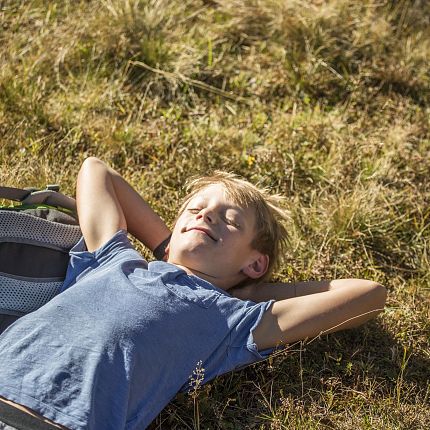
column 118, row 249
column 117, row 244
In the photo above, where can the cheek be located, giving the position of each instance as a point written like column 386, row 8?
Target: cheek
column 176, row 233
column 179, row 225
column 234, row 242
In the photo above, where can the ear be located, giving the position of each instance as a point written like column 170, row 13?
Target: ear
column 258, row 267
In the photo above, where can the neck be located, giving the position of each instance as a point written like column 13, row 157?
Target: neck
column 223, row 283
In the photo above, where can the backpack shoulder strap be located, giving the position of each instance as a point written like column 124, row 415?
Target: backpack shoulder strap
column 32, row 196
column 16, row 194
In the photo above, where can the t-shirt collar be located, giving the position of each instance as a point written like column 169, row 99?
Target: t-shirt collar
column 172, row 271
column 165, row 267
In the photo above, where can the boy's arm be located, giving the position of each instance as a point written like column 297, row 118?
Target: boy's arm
column 107, row 203
column 262, row 292
column 319, row 307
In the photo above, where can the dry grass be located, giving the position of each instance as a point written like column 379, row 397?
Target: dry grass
column 326, row 102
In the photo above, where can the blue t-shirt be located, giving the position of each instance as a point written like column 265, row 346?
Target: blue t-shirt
column 122, row 338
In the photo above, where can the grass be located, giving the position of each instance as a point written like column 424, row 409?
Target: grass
column 326, row 102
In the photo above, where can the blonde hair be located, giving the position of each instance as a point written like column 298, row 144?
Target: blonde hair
column 271, row 236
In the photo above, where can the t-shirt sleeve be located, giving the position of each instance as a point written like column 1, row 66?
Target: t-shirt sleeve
column 82, row 261
column 243, row 350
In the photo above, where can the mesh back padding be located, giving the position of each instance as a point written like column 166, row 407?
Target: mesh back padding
column 47, row 229
column 22, row 227
column 18, row 296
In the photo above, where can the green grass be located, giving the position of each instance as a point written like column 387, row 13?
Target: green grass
column 326, row 102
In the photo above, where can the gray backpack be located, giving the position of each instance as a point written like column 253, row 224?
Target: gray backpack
column 36, row 236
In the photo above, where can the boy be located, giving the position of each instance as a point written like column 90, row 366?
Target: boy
column 123, row 337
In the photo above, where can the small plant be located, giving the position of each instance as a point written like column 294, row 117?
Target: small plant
column 196, row 380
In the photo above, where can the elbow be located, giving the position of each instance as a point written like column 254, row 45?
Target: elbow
column 91, row 161
column 375, row 290
column 90, row 165
column 374, row 298
column 377, row 295
column 380, row 293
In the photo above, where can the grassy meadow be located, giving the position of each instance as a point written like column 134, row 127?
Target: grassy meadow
column 325, row 102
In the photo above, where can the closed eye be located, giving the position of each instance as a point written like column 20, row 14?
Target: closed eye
column 227, row 220
column 233, row 223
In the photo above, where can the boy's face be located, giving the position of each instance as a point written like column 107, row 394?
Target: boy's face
column 212, row 239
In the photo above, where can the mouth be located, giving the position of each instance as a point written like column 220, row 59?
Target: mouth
column 203, row 230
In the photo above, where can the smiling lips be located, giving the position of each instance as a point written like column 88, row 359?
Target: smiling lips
column 204, row 230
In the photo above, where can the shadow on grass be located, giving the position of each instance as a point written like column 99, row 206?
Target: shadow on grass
column 347, row 371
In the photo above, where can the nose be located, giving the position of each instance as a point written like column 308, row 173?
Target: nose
column 208, row 215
